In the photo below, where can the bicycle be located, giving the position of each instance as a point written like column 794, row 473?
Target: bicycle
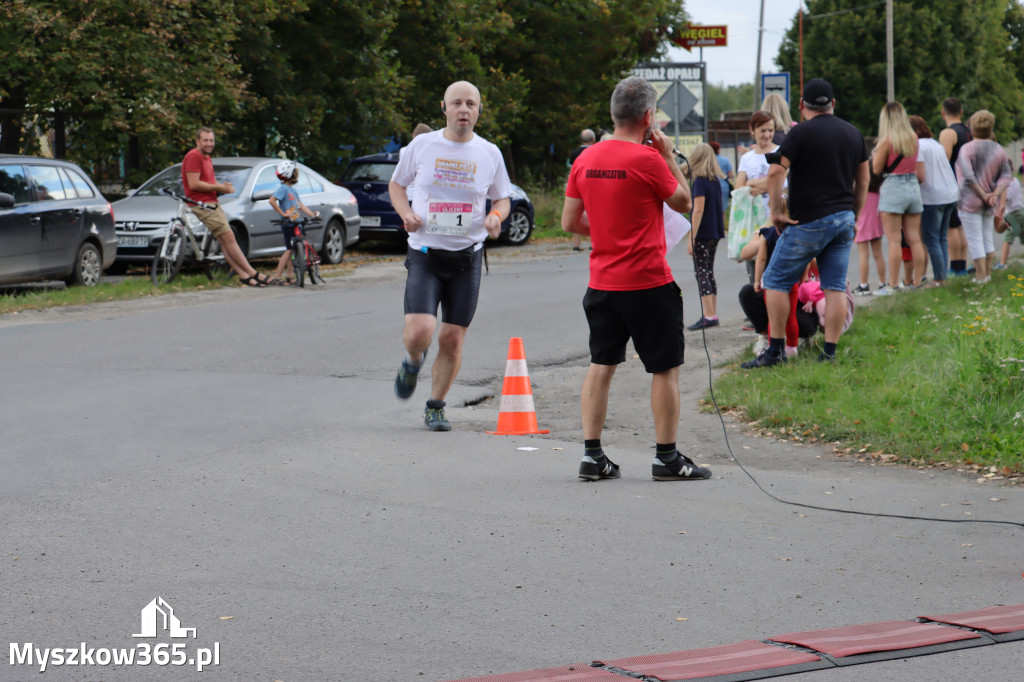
column 181, row 238
column 305, row 259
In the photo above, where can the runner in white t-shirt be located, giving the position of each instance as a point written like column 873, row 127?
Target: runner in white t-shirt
column 453, row 171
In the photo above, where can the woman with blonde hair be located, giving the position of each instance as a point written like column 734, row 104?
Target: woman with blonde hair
column 708, row 228
column 983, row 173
column 899, row 198
column 775, row 105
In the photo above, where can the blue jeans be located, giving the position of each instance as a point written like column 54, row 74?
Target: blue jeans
column 828, row 239
column 934, row 229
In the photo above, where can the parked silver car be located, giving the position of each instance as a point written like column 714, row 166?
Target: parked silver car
column 142, row 218
column 54, row 223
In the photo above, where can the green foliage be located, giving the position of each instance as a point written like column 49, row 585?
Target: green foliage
column 124, row 69
column 318, row 81
column 970, row 49
column 722, row 98
column 928, row 376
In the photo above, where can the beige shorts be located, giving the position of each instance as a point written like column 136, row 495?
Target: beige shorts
column 215, row 220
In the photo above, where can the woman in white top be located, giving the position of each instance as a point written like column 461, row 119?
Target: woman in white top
column 939, row 194
column 753, row 168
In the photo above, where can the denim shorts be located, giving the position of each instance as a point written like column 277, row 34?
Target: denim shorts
column 900, row 194
column 828, row 239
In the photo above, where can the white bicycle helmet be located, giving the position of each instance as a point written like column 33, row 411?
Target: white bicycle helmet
column 285, row 169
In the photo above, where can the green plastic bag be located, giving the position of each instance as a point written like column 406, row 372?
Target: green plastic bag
column 746, row 214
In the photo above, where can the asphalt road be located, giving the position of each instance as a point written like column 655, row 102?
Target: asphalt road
column 240, row 454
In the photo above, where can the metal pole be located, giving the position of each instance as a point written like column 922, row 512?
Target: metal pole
column 679, row 105
column 757, row 71
column 889, row 70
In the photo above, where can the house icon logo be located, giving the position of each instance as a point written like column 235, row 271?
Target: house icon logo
column 158, row 616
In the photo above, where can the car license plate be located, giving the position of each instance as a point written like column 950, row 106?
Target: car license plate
column 130, row 240
column 371, row 220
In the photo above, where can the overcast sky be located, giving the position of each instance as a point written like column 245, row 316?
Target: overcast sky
column 736, row 63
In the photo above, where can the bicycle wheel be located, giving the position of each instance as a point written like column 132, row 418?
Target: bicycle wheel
column 313, row 265
column 216, row 266
column 299, row 260
column 169, row 256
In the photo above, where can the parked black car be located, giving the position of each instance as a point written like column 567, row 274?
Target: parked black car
column 367, row 177
column 54, row 223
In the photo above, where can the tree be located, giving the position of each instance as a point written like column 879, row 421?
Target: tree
column 570, row 55
column 124, row 74
column 935, row 57
column 324, row 82
column 722, row 98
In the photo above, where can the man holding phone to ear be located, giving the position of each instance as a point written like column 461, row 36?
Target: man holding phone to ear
column 615, row 194
column 454, row 172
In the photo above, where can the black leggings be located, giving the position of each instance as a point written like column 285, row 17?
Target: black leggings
column 756, row 311
column 704, row 265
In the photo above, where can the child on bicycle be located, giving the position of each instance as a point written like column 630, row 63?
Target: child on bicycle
column 286, row 202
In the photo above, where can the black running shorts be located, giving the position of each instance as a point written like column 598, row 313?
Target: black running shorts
column 653, row 318
column 450, row 283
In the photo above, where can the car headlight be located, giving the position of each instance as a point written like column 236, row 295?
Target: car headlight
column 194, row 223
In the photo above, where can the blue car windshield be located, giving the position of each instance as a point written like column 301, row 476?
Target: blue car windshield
column 171, row 179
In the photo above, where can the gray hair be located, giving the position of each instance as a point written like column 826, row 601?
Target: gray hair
column 587, row 136
column 633, row 97
column 818, row 108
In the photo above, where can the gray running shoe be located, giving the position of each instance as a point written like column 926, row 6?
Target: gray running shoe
column 405, row 380
column 682, row 469
column 433, row 416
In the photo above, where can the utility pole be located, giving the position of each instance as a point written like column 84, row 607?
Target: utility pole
column 757, row 71
column 889, row 69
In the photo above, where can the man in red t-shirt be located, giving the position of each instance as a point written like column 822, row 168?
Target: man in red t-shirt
column 615, row 194
column 201, row 185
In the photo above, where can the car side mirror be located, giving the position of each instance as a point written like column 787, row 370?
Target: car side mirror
column 6, row 200
column 260, row 196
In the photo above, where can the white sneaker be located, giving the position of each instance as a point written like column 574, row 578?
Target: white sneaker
column 883, row 291
column 792, row 351
column 760, row 345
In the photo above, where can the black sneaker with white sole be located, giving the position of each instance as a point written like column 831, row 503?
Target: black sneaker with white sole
column 595, row 469
column 682, row 468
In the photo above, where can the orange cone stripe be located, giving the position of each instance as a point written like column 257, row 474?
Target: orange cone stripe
column 516, row 386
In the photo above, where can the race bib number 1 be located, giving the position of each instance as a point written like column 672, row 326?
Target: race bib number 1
column 449, row 217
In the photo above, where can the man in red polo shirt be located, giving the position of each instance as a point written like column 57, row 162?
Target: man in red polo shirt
column 615, row 194
column 201, row 185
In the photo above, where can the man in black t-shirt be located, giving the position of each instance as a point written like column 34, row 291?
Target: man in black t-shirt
column 827, row 165
column 952, row 138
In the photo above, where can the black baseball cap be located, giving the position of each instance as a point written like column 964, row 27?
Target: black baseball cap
column 818, row 91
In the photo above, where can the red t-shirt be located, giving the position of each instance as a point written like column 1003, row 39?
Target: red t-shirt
column 623, row 186
column 197, row 162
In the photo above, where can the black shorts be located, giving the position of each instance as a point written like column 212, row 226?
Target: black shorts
column 288, row 231
column 653, row 318
column 444, row 279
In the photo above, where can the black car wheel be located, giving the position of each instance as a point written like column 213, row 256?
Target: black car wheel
column 88, row 266
column 334, row 242
column 519, row 228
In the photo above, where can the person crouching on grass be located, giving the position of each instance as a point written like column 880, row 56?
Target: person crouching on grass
column 288, row 205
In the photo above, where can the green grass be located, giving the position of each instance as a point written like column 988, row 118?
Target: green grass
column 926, row 377
column 128, row 289
column 547, row 213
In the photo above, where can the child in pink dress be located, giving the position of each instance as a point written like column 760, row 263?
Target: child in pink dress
column 869, row 239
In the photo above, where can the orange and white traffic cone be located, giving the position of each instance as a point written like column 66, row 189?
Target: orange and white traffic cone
column 517, row 415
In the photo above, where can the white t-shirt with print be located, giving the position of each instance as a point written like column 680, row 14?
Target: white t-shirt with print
column 452, row 182
column 756, row 167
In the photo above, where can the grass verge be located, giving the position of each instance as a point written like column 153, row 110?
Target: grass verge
column 930, row 377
